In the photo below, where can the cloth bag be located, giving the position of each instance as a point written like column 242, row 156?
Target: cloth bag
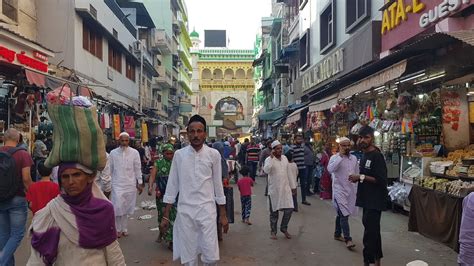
column 77, row 136
column 229, row 203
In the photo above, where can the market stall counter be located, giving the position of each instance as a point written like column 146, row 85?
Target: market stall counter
column 436, row 215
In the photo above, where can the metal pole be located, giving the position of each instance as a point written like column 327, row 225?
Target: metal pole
column 140, row 98
column 141, row 77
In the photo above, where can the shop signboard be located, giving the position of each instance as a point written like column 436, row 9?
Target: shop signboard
column 361, row 48
column 327, row 68
column 22, row 58
column 403, row 19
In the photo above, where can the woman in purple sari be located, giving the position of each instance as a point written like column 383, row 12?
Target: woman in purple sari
column 77, row 227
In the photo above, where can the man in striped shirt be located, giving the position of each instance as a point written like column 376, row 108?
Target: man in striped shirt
column 298, row 158
column 253, row 156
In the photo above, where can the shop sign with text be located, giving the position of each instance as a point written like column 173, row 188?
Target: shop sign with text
column 23, row 59
column 327, row 68
column 403, row 19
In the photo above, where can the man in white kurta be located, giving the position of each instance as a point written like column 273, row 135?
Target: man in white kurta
column 341, row 166
column 196, row 178
column 281, row 187
column 126, row 172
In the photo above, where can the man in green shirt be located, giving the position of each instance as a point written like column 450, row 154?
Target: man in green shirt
column 159, row 177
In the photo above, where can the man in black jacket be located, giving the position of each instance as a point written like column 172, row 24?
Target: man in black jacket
column 371, row 194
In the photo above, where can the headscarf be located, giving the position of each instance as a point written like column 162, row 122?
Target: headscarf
column 167, row 147
column 87, row 220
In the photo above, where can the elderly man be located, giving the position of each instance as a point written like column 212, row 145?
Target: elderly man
column 341, row 166
column 196, row 179
column 13, row 205
column 281, row 187
column 125, row 169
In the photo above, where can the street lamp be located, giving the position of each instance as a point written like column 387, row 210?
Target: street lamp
column 300, row 130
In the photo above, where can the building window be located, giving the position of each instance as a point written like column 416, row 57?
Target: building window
column 327, row 40
column 356, row 12
column 115, row 58
column 129, row 69
column 91, row 41
column 10, row 9
column 203, row 102
column 304, row 50
column 158, row 98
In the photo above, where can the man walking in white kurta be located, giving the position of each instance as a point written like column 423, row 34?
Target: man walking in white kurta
column 196, row 178
column 341, row 166
column 281, row 187
column 126, row 172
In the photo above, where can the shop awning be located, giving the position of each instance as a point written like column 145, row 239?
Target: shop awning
column 278, row 122
column 260, row 60
column 323, row 104
column 272, row 115
column 295, row 116
column 375, row 80
column 44, row 80
column 466, row 36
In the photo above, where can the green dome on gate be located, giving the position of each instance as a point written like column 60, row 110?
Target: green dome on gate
column 194, row 34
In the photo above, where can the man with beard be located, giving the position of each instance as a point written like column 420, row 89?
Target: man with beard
column 281, row 187
column 341, row 166
column 126, row 172
column 371, row 194
column 196, row 179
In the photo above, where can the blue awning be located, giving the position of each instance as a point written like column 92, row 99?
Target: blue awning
column 290, row 49
column 272, row 115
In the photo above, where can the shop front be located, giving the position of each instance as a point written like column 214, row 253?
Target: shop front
column 20, row 99
column 420, row 107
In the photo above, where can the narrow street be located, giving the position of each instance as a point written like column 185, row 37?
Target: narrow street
column 312, row 243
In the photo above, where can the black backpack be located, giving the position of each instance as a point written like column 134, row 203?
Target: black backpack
column 9, row 180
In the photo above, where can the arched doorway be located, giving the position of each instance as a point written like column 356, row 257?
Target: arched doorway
column 229, row 110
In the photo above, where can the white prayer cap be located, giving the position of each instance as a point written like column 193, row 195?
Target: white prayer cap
column 343, row 139
column 124, row 134
column 275, row 143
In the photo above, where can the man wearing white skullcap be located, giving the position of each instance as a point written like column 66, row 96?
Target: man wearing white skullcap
column 126, row 172
column 341, row 166
column 280, row 189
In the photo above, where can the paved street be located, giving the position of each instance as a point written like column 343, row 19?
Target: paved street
column 312, row 243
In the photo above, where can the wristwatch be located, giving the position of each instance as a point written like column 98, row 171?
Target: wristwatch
column 362, row 177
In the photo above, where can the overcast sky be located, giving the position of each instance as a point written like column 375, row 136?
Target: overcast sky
column 241, row 19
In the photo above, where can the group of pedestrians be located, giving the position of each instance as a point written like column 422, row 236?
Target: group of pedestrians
column 81, row 225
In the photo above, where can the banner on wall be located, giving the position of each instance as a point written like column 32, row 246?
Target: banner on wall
column 116, row 119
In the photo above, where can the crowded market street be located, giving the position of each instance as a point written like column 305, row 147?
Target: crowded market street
column 312, row 243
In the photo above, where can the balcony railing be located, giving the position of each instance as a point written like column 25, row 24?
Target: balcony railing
column 165, row 78
column 228, row 82
column 161, row 41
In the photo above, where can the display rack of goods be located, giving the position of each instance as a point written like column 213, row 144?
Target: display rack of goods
column 438, row 184
column 439, row 167
column 459, row 188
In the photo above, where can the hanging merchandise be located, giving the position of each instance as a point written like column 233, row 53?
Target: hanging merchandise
column 117, row 129
column 144, row 132
column 77, row 136
column 129, row 126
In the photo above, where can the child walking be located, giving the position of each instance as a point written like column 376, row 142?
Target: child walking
column 245, row 185
column 43, row 191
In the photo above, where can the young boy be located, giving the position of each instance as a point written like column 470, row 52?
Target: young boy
column 40, row 193
column 245, row 185
column 293, row 172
